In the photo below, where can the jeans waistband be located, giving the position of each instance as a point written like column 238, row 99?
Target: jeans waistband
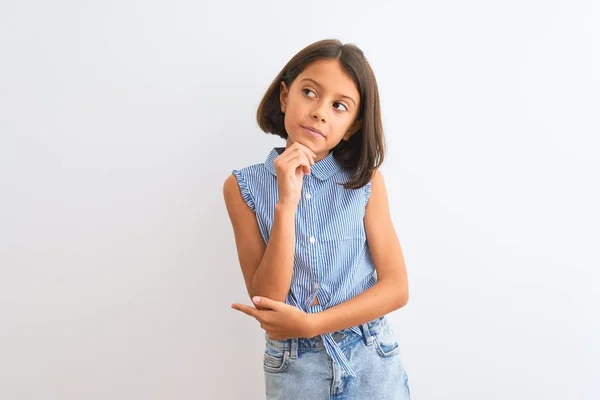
column 366, row 331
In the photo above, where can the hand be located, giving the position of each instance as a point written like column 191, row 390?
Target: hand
column 280, row 320
column 291, row 166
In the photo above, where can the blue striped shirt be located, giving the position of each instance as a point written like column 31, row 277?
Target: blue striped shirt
column 331, row 259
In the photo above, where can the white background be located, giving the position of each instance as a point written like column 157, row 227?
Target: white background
column 120, row 120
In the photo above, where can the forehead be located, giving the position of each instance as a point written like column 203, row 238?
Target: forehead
column 330, row 75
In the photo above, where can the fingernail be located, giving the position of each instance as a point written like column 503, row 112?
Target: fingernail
column 256, row 299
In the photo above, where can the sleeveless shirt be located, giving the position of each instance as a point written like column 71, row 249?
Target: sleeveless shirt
column 331, row 259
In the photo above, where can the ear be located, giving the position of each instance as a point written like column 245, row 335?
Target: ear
column 283, row 95
column 353, row 129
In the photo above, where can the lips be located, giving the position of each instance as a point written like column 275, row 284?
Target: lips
column 314, row 131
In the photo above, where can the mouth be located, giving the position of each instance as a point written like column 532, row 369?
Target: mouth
column 313, row 131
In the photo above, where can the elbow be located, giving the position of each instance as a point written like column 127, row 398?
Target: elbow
column 401, row 295
column 397, row 289
column 402, row 299
column 255, row 289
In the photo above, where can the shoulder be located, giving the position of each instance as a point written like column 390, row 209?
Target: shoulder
column 236, row 193
column 377, row 178
column 252, row 169
column 345, row 175
column 242, row 185
column 230, row 186
column 246, row 175
column 375, row 183
column 377, row 192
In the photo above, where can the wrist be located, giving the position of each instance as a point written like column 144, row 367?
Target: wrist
column 313, row 325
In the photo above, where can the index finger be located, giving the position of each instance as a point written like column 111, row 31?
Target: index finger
column 251, row 311
column 304, row 148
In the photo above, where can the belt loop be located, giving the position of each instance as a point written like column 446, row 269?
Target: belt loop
column 294, row 348
column 368, row 338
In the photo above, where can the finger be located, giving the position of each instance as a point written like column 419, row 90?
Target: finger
column 306, row 149
column 298, row 148
column 298, row 161
column 305, row 160
column 293, row 153
column 309, row 154
column 307, row 164
column 267, row 303
column 251, row 311
column 310, row 158
column 291, row 166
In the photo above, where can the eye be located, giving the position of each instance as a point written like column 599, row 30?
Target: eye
column 341, row 104
column 309, row 91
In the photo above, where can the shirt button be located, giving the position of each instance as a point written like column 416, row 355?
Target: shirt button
column 312, row 239
column 308, row 196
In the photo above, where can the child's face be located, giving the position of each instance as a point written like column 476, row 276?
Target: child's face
column 322, row 97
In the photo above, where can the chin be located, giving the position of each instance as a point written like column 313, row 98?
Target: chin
column 302, row 141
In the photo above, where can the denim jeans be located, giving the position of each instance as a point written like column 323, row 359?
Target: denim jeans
column 301, row 369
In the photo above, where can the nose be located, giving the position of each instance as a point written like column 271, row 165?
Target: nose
column 318, row 113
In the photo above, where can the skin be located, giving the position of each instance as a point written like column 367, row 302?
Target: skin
column 325, row 98
column 321, row 97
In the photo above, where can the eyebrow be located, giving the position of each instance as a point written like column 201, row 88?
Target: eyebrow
column 320, row 86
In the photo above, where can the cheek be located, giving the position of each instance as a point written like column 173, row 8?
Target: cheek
column 288, row 118
column 290, row 121
column 341, row 123
column 293, row 113
column 339, row 127
column 296, row 105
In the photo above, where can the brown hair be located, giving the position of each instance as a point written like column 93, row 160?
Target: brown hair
column 365, row 150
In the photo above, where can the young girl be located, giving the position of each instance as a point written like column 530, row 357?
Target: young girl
column 317, row 248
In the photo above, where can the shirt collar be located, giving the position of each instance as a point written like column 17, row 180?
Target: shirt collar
column 323, row 169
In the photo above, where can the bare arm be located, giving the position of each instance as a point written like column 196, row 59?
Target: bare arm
column 268, row 269
column 391, row 290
